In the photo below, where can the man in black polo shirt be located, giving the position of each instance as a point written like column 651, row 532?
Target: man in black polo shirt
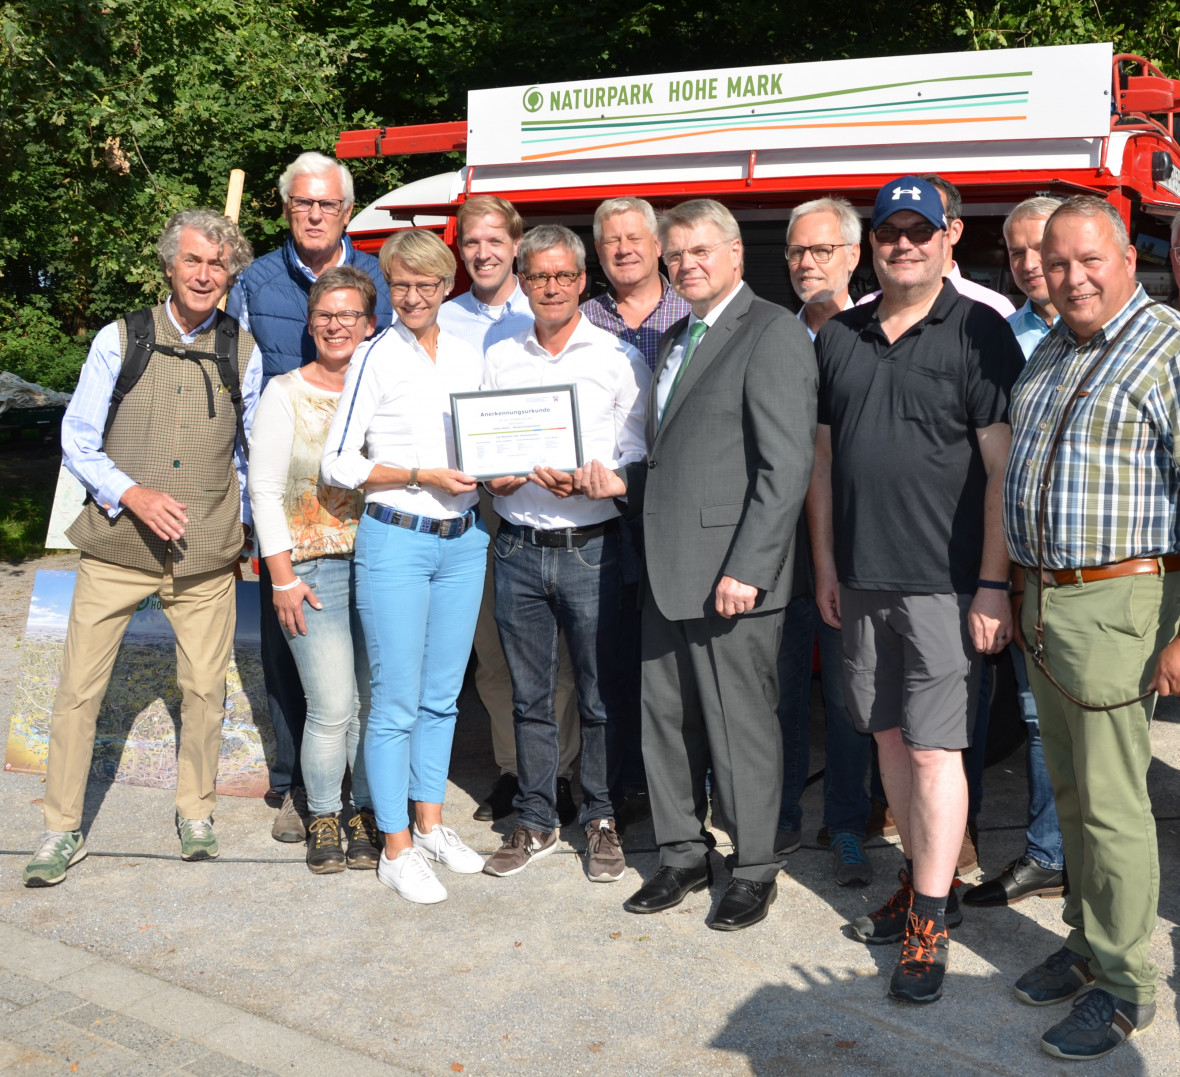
column 909, row 549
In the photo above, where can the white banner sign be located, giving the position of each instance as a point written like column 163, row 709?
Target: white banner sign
column 1058, row 92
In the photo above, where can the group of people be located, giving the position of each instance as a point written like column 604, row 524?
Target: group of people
column 925, row 478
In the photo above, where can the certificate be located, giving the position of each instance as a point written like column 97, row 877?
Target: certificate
column 510, row 431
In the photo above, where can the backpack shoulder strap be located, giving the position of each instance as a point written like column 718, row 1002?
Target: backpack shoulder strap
column 226, row 336
column 141, row 336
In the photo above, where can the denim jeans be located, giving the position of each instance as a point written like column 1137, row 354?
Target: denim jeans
column 418, row 597
column 1043, row 841
column 334, row 670
column 1043, row 838
column 285, row 703
column 539, row 591
column 847, row 752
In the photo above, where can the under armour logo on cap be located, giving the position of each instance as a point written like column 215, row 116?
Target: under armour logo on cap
column 909, row 193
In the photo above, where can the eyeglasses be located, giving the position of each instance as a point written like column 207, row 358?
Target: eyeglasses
column 820, row 252
column 566, row 278
column 329, row 207
column 918, row 234
column 321, row 319
column 426, row 289
column 697, row 254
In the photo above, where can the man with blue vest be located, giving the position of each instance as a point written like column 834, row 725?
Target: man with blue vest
column 271, row 300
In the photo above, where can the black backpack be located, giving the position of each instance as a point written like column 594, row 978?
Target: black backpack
column 141, row 342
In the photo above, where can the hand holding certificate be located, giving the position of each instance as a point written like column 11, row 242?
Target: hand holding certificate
column 513, row 431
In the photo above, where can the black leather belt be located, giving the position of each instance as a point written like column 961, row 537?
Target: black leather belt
column 563, row 538
column 427, row 525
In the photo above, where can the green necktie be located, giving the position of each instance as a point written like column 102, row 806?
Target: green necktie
column 694, row 338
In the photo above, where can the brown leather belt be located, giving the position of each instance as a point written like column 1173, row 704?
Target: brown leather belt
column 1137, row 566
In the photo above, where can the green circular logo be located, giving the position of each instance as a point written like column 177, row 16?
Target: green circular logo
column 533, row 99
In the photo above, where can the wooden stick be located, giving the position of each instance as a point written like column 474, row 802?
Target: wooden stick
column 233, row 207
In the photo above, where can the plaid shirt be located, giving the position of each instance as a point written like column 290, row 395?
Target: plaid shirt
column 1115, row 486
column 603, row 312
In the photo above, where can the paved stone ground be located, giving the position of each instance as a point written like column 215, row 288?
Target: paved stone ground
column 140, row 963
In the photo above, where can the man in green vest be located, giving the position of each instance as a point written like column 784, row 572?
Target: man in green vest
column 164, row 514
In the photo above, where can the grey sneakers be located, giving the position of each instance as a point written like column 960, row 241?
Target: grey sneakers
column 290, row 824
column 197, row 840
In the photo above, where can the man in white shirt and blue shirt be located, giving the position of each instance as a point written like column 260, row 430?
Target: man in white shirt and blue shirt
column 558, row 561
column 495, row 309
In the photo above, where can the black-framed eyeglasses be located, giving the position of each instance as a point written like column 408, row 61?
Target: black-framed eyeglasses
column 918, row 234
column 427, row 289
column 821, row 253
column 329, row 207
column 321, row 319
column 565, row 277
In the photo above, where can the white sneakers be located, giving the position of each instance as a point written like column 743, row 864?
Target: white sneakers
column 410, row 875
column 445, row 846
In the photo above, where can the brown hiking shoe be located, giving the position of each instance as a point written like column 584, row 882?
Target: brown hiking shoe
column 325, row 853
column 364, row 840
column 290, row 824
column 605, row 862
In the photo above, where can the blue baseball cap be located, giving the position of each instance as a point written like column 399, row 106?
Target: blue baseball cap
column 909, row 192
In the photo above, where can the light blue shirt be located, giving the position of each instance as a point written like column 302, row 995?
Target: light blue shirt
column 1030, row 328
column 475, row 324
column 81, row 428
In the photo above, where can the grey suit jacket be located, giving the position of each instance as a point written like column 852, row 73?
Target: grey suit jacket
column 723, row 485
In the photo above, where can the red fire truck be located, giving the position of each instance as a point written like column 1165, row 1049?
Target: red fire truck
column 1001, row 125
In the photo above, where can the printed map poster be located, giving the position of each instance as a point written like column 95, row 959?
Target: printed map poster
column 140, row 716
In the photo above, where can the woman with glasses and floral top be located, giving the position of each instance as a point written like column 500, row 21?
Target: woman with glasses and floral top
column 306, row 530
column 421, row 550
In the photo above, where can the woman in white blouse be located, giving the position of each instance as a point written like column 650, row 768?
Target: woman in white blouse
column 306, row 531
column 420, row 553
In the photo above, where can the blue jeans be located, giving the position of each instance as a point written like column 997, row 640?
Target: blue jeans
column 846, row 803
column 285, row 703
column 418, row 597
column 334, row 670
column 539, row 591
column 1043, row 842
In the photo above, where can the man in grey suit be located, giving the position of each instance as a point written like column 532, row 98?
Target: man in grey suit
column 730, row 422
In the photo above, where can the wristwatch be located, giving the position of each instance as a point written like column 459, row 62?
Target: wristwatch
column 413, row 483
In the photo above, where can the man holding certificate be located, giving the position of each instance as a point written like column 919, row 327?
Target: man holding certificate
column 730, row 430
column 557, row 557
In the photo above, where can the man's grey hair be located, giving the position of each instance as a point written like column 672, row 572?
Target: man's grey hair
column 841, row 208
column 612, row 207
column 216, row 228
column 315, row 164
column 544, row 238
column 696, row 212
column 1041, row 205
column 1089, row 205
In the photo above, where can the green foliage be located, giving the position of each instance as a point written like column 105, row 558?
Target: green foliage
column 114, row 114
column 33, row 347
column 24, row 522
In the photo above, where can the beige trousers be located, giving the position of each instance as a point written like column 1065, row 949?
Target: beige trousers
column 201, row 611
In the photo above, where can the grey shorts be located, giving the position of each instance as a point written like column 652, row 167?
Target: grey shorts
column 909, row 663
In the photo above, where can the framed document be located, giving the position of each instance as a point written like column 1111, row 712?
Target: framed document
column 509, row 431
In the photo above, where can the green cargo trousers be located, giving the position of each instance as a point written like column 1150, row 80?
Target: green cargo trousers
column 1101, row 643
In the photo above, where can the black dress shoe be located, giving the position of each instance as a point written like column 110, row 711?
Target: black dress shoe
column 636, row 807
column 669, row 887
column 567, row 810
column 1020, row 879
column 499, row 801
column 744, row 903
